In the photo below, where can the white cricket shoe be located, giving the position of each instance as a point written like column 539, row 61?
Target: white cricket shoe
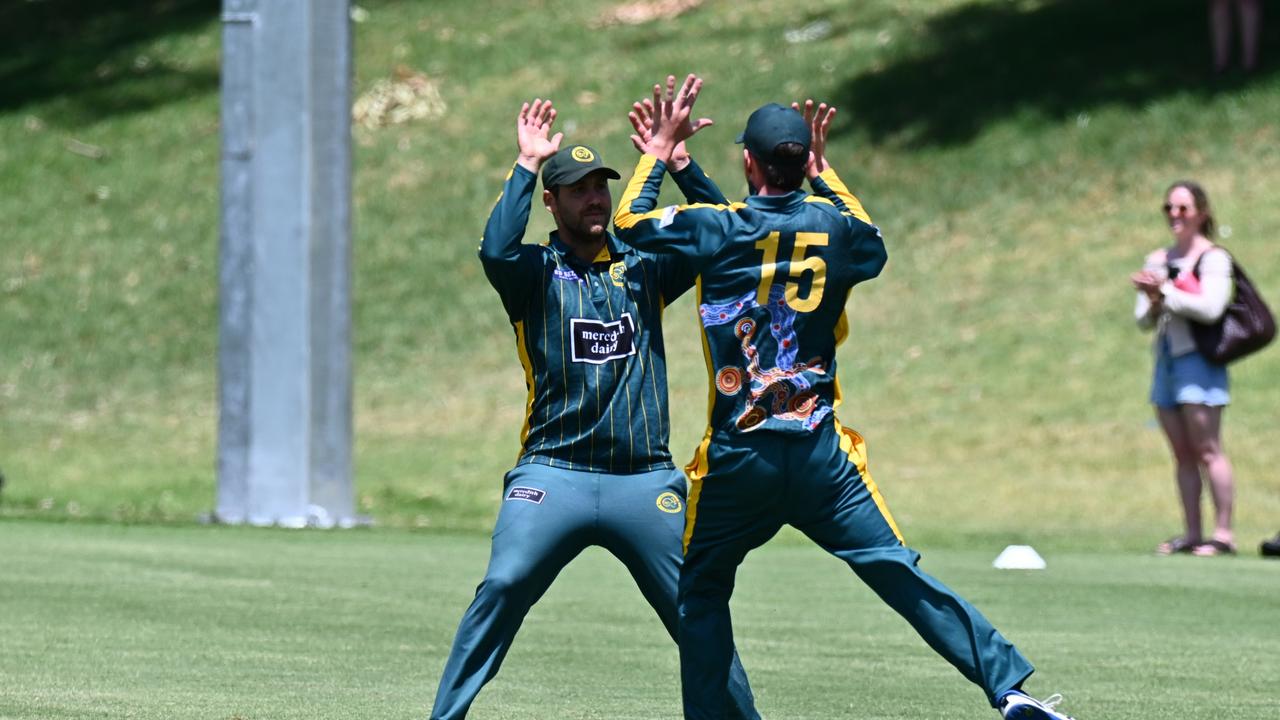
column 1019, row 706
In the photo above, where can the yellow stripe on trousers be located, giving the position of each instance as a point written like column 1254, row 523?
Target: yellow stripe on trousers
column 851, row 443
column 695, row 471
column 855, row 447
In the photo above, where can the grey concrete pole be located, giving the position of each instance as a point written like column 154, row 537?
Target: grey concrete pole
column 235, row 245
column 285, row 430
column 331, row 460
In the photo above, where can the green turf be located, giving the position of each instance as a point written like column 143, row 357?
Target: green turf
column 153, row 623
column 1014, row 152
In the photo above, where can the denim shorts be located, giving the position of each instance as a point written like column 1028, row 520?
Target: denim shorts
column 1187, row 380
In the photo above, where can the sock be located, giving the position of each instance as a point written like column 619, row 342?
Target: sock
column 1004, row 696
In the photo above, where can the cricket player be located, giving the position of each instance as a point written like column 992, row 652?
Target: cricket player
column 775, row 275
column 594, row 468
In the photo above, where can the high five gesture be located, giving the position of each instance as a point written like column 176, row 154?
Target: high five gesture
column 672, row 121
column 641, row 117
column 819, row 120
column 533, row 134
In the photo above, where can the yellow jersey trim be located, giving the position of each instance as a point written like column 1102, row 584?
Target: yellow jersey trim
column 842, row 191
column 624, row 218
column 842, row 332
column 523, row 349
column 698, row 466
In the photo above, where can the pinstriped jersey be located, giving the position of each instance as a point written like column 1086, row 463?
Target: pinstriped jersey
column 589, row 338
column 776, row 272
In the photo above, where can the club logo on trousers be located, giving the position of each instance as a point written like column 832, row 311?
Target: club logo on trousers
column 528, row 494
column 598, row 342
column 669, row 502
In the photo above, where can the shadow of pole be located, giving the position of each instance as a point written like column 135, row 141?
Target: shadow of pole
column 1057, row 58
column 83, row 51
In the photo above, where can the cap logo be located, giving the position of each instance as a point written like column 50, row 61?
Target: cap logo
column 582, row 155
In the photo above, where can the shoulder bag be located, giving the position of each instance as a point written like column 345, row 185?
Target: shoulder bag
column 1244, row 328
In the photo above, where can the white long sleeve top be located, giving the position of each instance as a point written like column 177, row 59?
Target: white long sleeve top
column 1180, row 308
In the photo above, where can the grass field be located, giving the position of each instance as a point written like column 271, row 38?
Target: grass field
column 154, row 623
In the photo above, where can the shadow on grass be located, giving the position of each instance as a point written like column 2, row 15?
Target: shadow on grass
column 88, row 54
column 980, row 64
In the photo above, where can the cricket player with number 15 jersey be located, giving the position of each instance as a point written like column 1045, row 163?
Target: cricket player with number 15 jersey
column 594, row 468
column 775, row 275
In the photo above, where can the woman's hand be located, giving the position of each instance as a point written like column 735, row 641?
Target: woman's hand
column 1148, row 283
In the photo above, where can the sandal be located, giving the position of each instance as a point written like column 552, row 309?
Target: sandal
column 1176, row 546
column 1213, row 548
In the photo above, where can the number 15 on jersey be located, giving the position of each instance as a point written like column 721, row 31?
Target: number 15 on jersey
column 801, row 263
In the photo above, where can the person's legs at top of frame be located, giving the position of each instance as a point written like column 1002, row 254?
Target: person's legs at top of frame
column 1223, row 15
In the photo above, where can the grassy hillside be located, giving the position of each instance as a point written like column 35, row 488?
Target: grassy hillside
column 1014, row 153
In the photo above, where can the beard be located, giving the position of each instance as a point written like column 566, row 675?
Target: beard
column 590, row 228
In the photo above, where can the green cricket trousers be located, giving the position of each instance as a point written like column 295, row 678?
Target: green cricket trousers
column 743, row 488
column 549, row 516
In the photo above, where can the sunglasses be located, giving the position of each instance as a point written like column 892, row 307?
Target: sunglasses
column 1169, row 209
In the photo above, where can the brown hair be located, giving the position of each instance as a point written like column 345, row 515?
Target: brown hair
column 786, row 171
column 1207, row 225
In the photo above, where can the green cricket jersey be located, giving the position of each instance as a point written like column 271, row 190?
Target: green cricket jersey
column 589, row 337
column 776, row 272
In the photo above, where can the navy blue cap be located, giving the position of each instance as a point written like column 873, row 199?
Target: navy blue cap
column 571, row 164
column 772, row 125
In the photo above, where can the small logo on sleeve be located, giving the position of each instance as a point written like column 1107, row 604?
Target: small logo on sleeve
column 669, row 502
column 528, row 494
column 599, row 342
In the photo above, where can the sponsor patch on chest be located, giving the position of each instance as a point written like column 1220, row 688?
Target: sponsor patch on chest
column 528, row 494
column 565, row 274
column 598, row 342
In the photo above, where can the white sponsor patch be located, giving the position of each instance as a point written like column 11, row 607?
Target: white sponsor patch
column 598, row 342
column 668, row 216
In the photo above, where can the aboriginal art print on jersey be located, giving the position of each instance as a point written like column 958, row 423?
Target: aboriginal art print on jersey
column 777, row 386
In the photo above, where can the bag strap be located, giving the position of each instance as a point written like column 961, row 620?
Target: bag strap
column 1235, row 269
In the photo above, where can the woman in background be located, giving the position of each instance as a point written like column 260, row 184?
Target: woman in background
column 1190, row 281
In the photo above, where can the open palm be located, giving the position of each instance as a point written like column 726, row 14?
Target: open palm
column 533, row 132
column 819, row 120
column 673, row 110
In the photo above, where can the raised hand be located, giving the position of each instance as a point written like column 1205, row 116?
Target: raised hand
column 672, row 121
column 819, row 120
column 641, row 117
column 533, row 134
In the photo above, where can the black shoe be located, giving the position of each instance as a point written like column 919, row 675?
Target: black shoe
column 1270, row 548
